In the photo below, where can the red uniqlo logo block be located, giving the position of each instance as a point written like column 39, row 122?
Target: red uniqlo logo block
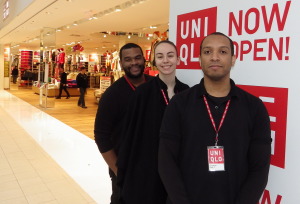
column 216, row 156
column 191, row 29
column 275, row 100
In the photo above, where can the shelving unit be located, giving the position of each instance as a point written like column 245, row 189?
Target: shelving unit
column 26, row 59
column 26, row 67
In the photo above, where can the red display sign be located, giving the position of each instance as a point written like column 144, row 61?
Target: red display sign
column 191, row 29
column 276, row 102
column 147, row 55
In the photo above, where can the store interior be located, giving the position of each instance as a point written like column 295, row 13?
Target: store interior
column 40, row 40
column 46, row 35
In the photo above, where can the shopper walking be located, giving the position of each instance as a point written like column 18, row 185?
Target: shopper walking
column 82, row 84
column 15, row 73
column 112, row 108
column 215, row 139
column 63, row 84
column 137, row 162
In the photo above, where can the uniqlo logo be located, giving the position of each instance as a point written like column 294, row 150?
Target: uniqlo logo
column 275, row 100
column 191, row 29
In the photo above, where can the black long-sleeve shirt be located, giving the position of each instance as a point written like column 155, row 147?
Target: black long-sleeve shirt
column 111, row 111
column 186, row 132
column 82, row 80
column 63, row 78
column 137, row 161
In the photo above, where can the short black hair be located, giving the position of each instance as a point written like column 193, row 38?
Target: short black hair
column 128, row 46
column 222, row 34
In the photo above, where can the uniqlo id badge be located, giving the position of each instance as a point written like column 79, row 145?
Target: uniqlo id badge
column 216, row 160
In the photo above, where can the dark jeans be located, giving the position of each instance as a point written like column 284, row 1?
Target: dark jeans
column 114, row 199
column 15, row 78
column 63, row 87
column 81, row 101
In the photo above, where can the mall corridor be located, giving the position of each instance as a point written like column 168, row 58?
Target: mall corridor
column 42, row 160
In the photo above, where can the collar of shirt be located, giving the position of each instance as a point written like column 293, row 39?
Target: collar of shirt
column 232, row 93
column 163, row 86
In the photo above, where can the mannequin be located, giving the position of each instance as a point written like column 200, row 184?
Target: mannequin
column 115, row 61
column 61, row 58
column 157, row 38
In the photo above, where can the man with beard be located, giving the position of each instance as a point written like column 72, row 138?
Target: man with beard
column 112, row 108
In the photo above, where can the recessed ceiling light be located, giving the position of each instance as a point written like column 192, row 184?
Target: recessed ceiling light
column 118, row 9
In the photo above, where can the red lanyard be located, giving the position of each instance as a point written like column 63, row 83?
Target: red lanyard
column 212, row 119
column 165, row 97
column 130, row 84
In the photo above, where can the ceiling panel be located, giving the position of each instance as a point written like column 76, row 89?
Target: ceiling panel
column 58, row 14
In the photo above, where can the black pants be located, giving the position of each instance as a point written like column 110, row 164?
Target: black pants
column 114, row 199
column 81, row 101
column 63, row 87
column 15, row 78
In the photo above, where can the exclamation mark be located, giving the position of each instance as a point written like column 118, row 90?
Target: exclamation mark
column 287, row 46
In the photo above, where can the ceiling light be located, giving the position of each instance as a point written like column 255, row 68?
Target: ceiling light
column 94, row 17
column 153, row 27
column 118, row 9
column 104, row 35
column 75, row 24
column 129, row 36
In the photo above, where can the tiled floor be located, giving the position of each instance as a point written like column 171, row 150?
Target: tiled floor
column 42, row 160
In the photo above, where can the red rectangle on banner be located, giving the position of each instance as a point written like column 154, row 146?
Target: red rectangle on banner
column 276, row 102
column 191, row 29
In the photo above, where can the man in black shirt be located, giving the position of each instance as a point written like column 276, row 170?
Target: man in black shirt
column 63, row 84
column 215, row 139
column 112, row 108
column 82, row 84
column 15, row 73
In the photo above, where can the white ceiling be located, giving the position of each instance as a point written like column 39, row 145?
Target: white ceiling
column 136, row 17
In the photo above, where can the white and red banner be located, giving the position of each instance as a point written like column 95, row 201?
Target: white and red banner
column 266, row 37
